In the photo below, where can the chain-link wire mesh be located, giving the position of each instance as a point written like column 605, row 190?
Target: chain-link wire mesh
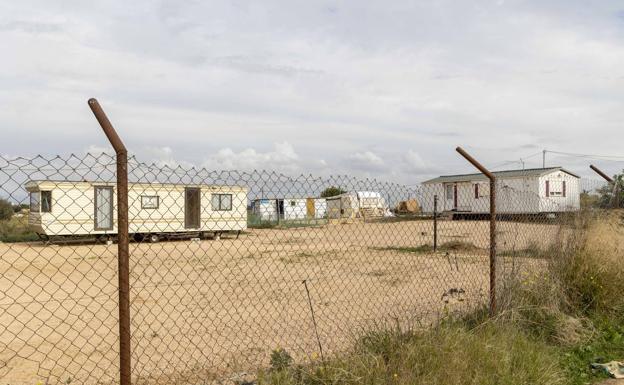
column 227, row 266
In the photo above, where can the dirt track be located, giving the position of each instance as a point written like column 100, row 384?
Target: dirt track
column 219, row 307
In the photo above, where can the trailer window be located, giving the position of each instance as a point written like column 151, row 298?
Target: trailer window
column 35, row 200
column 221, row 202
column 555, row 188
column 150, row 202
column 449, row 191
column 103, row 219
column 46, row 201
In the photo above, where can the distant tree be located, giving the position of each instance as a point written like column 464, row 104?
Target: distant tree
column 332, row 191
column 6, row 209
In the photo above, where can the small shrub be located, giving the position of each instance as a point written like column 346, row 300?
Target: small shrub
column 280, row 360
column 6, row 210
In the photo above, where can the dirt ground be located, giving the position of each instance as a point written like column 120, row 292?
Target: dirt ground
column 215, row 309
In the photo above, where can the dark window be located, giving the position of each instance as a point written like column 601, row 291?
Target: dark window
column 150, row 202
column 563, row 187
column 221, row 202
column 476, row 188
column 46, row 201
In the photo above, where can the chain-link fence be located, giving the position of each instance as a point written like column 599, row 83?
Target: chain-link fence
column 228, row 267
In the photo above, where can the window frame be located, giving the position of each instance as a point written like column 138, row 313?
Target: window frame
column 144, row 207
column 38, row 208
column 220, row 198
column 449, row 188
column 559, row 193
column 95, row 208
column 47, row 192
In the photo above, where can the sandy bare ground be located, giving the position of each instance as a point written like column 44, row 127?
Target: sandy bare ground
column 211, row 309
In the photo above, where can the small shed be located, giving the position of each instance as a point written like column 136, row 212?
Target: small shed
column 356, row 204
column 289, row 208
column 529, row 191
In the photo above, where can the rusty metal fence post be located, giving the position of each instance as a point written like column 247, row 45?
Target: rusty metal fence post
column 493, row 262
column 123, row 240
column 616, row 185
column 602, row 174
column 435, row 223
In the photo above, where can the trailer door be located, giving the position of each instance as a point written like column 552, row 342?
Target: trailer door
column 192, row 205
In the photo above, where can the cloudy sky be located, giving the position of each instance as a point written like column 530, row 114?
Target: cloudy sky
column 381, row 89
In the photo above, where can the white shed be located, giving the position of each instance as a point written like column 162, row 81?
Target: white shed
column 265, row 209
column 357, row 204
column 60, row 208
column 530, row 191
column 289, row 208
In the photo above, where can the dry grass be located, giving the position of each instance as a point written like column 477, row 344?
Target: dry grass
column 560, row 317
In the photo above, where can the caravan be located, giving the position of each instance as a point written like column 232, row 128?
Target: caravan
column 155, row 210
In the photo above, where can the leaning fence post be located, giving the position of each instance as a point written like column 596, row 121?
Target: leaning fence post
column 493, row 261
column 435, row 223
column 616, row 192
column 123, row 240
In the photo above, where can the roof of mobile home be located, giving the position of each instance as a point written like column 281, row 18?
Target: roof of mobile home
column 51, row 183
column 529, row 172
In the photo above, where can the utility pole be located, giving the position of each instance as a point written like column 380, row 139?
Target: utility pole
column 521, row 161
column 544, row 159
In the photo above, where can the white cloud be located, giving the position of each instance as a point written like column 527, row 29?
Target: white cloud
column 282, row 158
column 414, row 162
column 366, row 161
column 232, row 78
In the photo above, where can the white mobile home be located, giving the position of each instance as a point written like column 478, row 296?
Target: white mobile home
column 356, row 204
column 530, row 191
column 289, row 208
column 154, row 209
column 265, row 209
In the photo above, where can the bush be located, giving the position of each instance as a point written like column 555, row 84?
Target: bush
column 16, row 230
column 6, row 210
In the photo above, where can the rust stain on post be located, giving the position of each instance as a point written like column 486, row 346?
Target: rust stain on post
column 492, row 179
column 123, row 239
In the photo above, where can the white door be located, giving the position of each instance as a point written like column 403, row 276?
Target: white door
column 450, row 195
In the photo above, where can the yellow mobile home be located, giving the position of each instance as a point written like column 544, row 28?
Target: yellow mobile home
column 155, row 210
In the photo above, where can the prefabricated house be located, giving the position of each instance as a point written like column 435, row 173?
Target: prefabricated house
column 530, row 191
column 359, row 204
column 289, row 208
column 154, row 209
